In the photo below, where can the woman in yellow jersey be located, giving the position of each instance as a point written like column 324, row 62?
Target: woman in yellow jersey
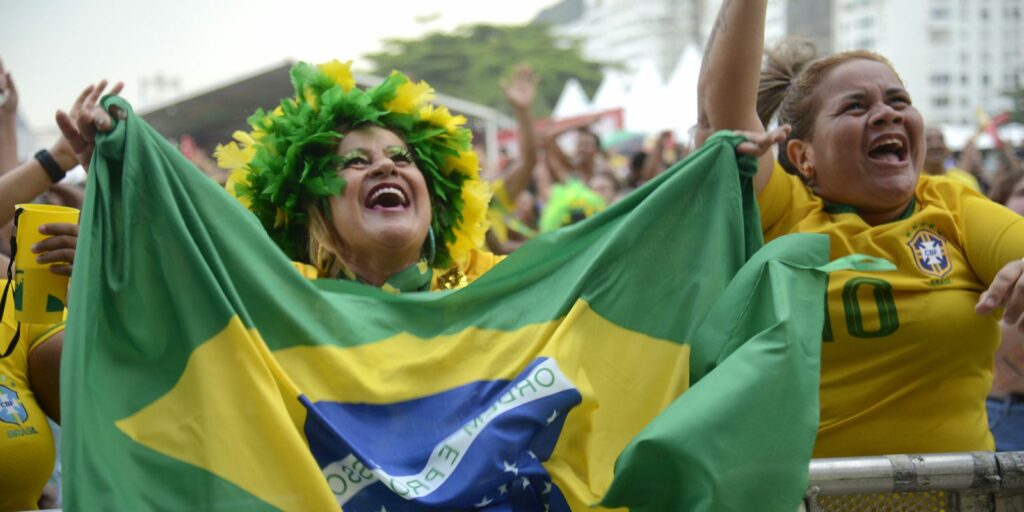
column 378, row 185
column 29, row 392
column 30, row 367
column 906, row 359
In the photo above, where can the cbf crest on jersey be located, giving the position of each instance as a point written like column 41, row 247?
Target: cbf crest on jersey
column 11, row 409
column 930, row 254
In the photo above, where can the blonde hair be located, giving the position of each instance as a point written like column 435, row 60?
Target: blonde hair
column 789, row 82
column 324, row 243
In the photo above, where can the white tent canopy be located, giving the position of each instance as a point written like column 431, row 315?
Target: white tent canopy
column 646, row 100
column 573, row 101
column 682, row 89
column 650, row 105
column 611, row 94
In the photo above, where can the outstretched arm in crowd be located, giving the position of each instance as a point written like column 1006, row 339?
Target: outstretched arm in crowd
column 8, row 121
column 520, row 93
column 87, row 117
column 654, row 164
column 558, row 163
column 30, row 179
column 970, row 157
column 728, row 83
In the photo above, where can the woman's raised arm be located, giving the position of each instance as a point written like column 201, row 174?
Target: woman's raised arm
column 729, row 78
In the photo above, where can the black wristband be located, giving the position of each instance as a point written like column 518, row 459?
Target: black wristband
column 50, row 165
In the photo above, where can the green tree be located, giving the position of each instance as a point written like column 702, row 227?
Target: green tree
column 469, row 62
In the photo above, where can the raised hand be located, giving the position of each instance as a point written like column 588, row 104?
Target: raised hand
column 521, row 89
column 87, row 117
column 8, row 94
column 759, row 143
column 1007, row 291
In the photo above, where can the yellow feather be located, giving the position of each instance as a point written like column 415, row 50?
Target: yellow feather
column 467, row 163
column 281, row 218
column 311, row 98
column 340, row 73
column 409, row 97
column 440, row 116
column 470, row 232
column 235, row 177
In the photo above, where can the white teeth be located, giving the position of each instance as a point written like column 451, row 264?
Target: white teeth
column 388, row 190
column 887, row 141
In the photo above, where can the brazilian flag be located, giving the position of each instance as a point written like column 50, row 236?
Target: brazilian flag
column 654, row 357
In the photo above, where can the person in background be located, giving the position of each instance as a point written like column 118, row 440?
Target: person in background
column 30, row 353
column 201, row 159
column 1006, row 399
column 606, row 185
column 588, row 159
column 936, row 155
column 508, row 231
column 907, row 355
column 569, row 203
column 665, row 153
column 24, row 182
column 1008, row 166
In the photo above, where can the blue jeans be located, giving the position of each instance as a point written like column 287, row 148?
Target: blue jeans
column 1006, row 421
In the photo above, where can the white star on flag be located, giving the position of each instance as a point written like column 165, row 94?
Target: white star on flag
column 532, row 455
column 554, row 414
column 526, row 482
column 510, row 468
column 547, row 488
column 483, row 502
column 503, row 489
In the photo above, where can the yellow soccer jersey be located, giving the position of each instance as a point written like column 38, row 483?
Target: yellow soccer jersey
column 906, row 363
column 964, row 177
column 26, row 443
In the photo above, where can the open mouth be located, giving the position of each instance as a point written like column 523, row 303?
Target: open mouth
column 889, row 150
column 386, row 196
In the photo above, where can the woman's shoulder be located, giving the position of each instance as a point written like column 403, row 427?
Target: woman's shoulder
column 476, row 264
column 946, row 192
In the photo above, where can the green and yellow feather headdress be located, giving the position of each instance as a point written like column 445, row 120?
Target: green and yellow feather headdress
column 289, row 158
column 569, row 203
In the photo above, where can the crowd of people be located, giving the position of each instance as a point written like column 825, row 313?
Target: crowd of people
column 926, row 358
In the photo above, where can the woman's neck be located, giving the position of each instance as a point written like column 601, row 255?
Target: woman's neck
column 877, row 218
column 376, row 269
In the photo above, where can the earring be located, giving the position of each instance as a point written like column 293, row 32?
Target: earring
column 430, row 248
column 807, row 175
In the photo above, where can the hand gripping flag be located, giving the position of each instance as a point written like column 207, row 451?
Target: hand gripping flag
column 637, row 359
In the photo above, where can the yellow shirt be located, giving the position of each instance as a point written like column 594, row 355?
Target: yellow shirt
column 906, row 363
column 964, row 177
column 26, row 442
column 475, row 266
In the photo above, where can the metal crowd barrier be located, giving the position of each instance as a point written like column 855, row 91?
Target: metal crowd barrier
column 947, row 482
column 940, row 482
